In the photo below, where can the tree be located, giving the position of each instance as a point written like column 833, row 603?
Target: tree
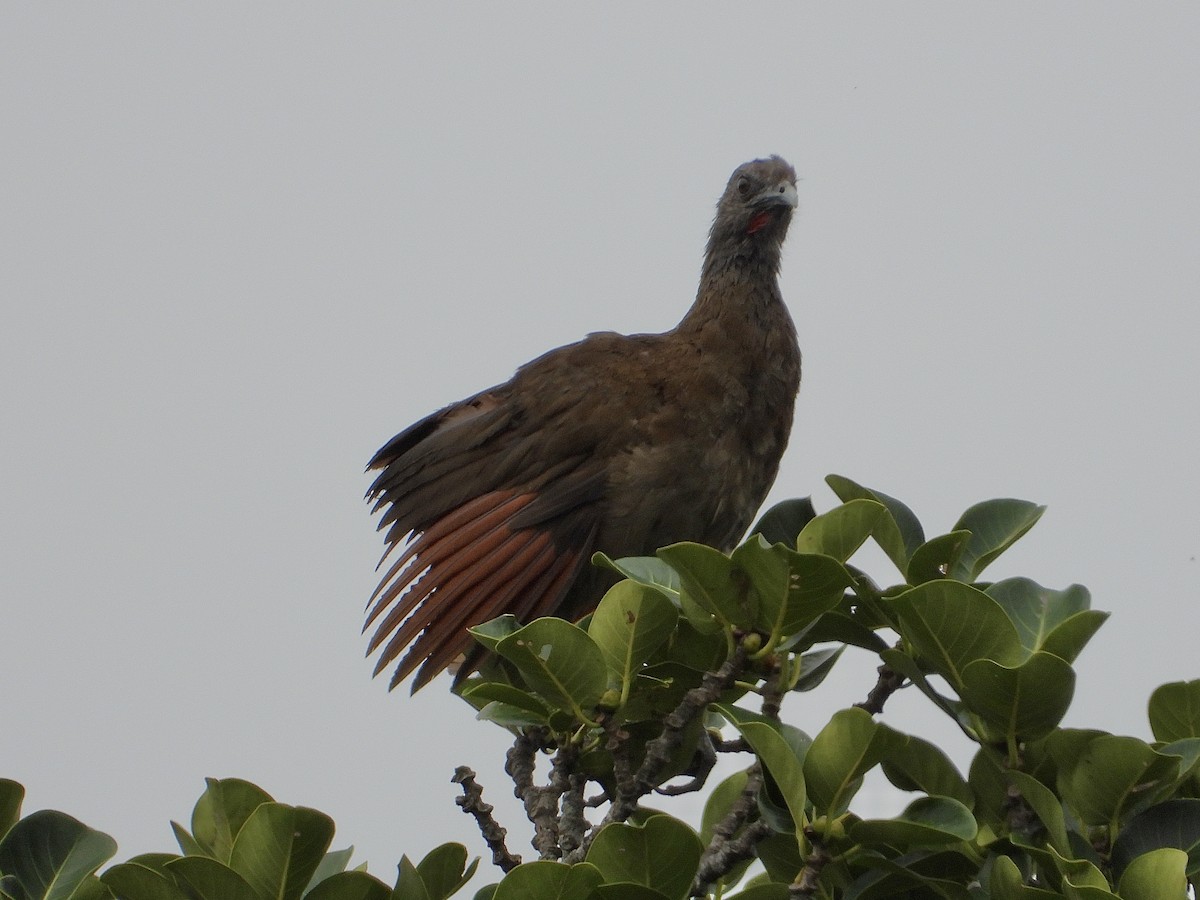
column 694, row 654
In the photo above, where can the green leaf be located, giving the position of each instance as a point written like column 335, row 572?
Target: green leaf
column 1159, row 873
column 331, row 863
column 1024, row 702
column 279, row 847
column 491, row 633
column 662, row 854
column 444, row 870
column 1007, row 883
column 560, row 662
column 842, row 530
column 1045, row 803
column 12, row 793
column 1110, row 774
column 50, row 854
column 139, row 882
column 708, row 578
column 1078, row 876
column 631, row 622
column 409, row 884
column 625, row 890
column 815, row 666
column 907, row 666
column 914, row 764
column 781, row 748
column 220, row 812
column 844, row 750
column 1172, row 823
column 898, row 538
column 505, row 704
column 995, row 525
column 791, row 590
column 545, row 880
column 769, row 891
column 188, row 845
column 350, row 886
column 782, row 522
column 937, row 557
column 1059, row 622
column 719, row 802
column 648, row 570
column 927, row 821
column 953, row 624
column 1175, row 710
column 837, row 626
column 212, row 880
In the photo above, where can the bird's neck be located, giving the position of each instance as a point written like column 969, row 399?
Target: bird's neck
column 738, row 284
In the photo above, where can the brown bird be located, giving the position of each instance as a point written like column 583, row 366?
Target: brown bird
column 620, row 443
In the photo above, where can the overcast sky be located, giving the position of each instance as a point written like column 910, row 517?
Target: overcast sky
column 246, row 244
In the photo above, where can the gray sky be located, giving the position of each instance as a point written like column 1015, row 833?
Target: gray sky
column 246, row 244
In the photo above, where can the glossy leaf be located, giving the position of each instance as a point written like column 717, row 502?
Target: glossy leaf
column 1045, row 803
column 842, row 530
column 847, row 748
column 914, row 764
column 953, row 624
column 1023, row 702
column 1007, row 883
column 279, row 847
column 927, row 821
column 901, row 536
column 661, row 854
column 1172, row 823
column 350, row 886
column 707, row 577
column 546, row 880
column 444, row 870
column 995, row 525
column 211, row 879
column 1159, row 874
column 492, row 632
column 784, row 521
column 646, row 570
column 1175, row 710
column 1110, row 773
column 631, row 622
column 221, row 812
column 559, row 661
column 51, row 854
column 1060, row 622
column 12, row 793
column 937, row 557
column 815, row 666
column 139, row 882
column 780, row 748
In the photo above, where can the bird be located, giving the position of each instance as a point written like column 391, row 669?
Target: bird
column 617, row 443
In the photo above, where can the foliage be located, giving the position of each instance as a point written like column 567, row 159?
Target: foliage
column 694, row 653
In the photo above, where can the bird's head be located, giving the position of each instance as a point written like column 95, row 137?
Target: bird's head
column 757, row 206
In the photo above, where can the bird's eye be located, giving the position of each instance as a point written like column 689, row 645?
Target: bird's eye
column 743, row 186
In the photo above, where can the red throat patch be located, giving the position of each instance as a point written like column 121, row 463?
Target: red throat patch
column 759, row 222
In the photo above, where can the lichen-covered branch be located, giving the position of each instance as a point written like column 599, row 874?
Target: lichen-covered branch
column 807, row 882
column 725, row 850
column 888, row 683
column 493, row 835
column 541, row 803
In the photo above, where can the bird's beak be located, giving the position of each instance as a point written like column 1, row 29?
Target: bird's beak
column 782, row 194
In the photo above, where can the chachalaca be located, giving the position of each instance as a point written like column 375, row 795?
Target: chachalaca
column 620, row 443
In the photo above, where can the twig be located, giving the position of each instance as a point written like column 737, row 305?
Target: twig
column 568, row 784
column 541, row 803
column 808, row 880
column 632, row 786
column 493, row 835
column 724, row 851
column 888, row 683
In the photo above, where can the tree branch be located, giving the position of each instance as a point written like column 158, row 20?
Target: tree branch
column 493, row 835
